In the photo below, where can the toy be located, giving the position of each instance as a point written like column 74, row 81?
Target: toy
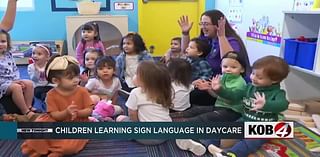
column 103, row 111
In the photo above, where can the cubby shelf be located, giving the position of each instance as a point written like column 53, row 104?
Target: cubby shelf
column 302, row 83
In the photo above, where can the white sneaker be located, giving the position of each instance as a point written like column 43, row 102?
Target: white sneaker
column 190, row 145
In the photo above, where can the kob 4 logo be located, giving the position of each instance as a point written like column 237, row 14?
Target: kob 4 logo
column 268, row 130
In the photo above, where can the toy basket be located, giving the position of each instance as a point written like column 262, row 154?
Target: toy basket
column 88, row 8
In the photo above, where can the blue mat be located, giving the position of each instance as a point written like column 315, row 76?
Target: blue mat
column 109, row 148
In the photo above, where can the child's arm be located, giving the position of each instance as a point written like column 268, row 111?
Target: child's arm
column 276, row 104
column 227, row 93
column 132, row 104
column 114, row 98
column 79, row 53
column 69, row 112
column 133, row 114
column 205, row 70
column 33, row 73
column 15, row 69
column 9, row 17
column 101, row 46
column 84, row 112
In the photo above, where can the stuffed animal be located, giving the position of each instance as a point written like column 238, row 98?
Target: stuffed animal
column 103, row 111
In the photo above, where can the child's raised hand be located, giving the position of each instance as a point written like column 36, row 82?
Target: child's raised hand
column 259, row 101
column 215, row 82
column 184, row 24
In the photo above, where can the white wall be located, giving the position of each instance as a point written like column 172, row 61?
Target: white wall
column 256, row 9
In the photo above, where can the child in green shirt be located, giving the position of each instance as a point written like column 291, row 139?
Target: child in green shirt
column 263, row 100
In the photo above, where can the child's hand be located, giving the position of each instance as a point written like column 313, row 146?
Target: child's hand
column 259, row 101
column 215, row 83
column 184, row 24
column 203, row 85
column 84, row 78
column 19, row 82
column 72, row 110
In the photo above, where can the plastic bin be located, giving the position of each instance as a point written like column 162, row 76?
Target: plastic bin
column 300, row 53
column 290, row 51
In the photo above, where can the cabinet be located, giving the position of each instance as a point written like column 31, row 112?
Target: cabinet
column 111, row 29
column 302, row 83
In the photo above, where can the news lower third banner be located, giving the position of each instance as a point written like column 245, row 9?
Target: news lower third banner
column 145, row 130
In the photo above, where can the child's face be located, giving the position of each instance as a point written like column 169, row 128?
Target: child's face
column 68, row 83
column 3, row 43
column 88, row 35
column 106, row 72
column 175, row 46
column 259, row 79
column 128, row 46
column 192, row 50
column 231, row 66
column 40, row 55
column 90, row 59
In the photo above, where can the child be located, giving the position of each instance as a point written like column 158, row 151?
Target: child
column 40, row 56
column 181, row 75
column 106, row 85
column 201, row 70
column 90, row 57
column 90, row 38
column 21, row 91
column 134, row 51
column 150, row 101
column 66, row 102
column 174, row 51
column 263, row 100
column 233, row 70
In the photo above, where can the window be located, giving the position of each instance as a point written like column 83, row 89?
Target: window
column 23, row 5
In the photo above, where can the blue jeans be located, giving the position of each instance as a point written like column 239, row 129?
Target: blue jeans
column 246, row 146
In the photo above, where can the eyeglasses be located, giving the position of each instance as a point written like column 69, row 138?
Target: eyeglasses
column 204, row 24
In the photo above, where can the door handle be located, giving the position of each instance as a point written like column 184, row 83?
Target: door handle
column 151, row 49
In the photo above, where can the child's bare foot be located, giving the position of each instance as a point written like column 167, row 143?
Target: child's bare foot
column 31, row 115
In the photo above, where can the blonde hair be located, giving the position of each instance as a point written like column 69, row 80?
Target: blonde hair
column 156, row 82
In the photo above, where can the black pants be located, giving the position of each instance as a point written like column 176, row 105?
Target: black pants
column 217, row 114
column 201, row 98
column 8, row 105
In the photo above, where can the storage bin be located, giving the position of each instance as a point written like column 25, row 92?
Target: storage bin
column 290, row 51
column 300, row 53
column 88, row 8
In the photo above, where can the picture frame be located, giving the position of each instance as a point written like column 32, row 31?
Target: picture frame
column 70, row 5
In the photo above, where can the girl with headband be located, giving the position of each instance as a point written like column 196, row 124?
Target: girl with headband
column 67, row 102
column 40, row 57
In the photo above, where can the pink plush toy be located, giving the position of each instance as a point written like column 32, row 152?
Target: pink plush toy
column 102, row 112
